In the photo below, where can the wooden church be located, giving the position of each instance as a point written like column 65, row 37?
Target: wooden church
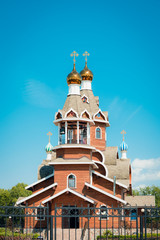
column 81, row 170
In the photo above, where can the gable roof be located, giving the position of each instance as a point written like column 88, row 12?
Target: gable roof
column 141, row 201
column 35, row 194
column 39, row 181
column 75, row 102
column 120, row 170
column 105, row 193
column 78, row 105
column 83, row 160
column 71, row 191
column 110, row 154
column 109, row 179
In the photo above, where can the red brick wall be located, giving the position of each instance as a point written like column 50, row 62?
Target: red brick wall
column 43, row 184
column 62, row 171
column 99, row 198
column 40, row 197
column 106, row 185
column 73, row 153
column 66, row 200
column 98, row 143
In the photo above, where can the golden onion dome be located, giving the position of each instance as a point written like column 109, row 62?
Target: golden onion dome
column 74, row 77
column 86, row 73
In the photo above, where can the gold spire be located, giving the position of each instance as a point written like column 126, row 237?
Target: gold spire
column 123, row 132
column 49, row 134
column 86, row 73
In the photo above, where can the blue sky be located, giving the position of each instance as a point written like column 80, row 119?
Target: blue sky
column 37, row 38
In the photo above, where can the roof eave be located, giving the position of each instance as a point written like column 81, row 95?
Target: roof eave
column 106, row 193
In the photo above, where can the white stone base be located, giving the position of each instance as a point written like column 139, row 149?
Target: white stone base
column 74, row 89
column 124, row 155
column 86, row 84
column 49, row 156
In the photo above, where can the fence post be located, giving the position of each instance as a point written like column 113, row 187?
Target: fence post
column 51, row 228
column 137, row 222
column 55, row 223
column 88, row 221
column 141, row 227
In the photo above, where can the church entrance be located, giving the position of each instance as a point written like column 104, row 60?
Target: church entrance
column 70, row 217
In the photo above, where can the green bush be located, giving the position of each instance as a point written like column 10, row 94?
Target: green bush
column 108, row 235
column 16, row 235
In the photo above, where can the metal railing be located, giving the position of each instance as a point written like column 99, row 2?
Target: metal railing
column 82, row 139
column 79, row 222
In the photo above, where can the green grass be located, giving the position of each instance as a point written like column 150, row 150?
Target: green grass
column 8, row 233
column 109, row 236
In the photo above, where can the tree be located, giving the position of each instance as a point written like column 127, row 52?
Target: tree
column 19, row 191
column 153, row 190
column 9, row 197
column 4, row 197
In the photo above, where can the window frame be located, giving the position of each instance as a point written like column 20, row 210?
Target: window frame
column 99, row 132
column 75, row 185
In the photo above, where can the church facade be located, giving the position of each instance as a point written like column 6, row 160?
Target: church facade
column 87, row 172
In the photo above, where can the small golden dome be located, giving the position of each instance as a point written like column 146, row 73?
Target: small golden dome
column 74, row 77
column 86, row 73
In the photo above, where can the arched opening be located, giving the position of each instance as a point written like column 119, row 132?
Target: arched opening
column 71, row 181
column 98, row 133
column 73, row 132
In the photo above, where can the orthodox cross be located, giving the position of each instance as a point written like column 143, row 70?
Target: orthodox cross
column 123, row 132
column 74, row 55
column 86, row 54
column 49, row 134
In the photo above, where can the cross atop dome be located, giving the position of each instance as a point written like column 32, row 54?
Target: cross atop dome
column 123, row 132
column 86, row 74
column 86, row 54
column 74, row 55
column 74, row 78
column 49, row 134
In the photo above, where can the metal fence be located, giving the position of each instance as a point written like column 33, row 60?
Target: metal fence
column 79, row 223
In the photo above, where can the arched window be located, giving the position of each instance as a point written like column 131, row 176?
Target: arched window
column 104, row 212
column 98, row 133
column 71, row 181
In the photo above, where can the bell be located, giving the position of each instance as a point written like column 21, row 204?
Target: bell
column 84, row 131
column 62, row 130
